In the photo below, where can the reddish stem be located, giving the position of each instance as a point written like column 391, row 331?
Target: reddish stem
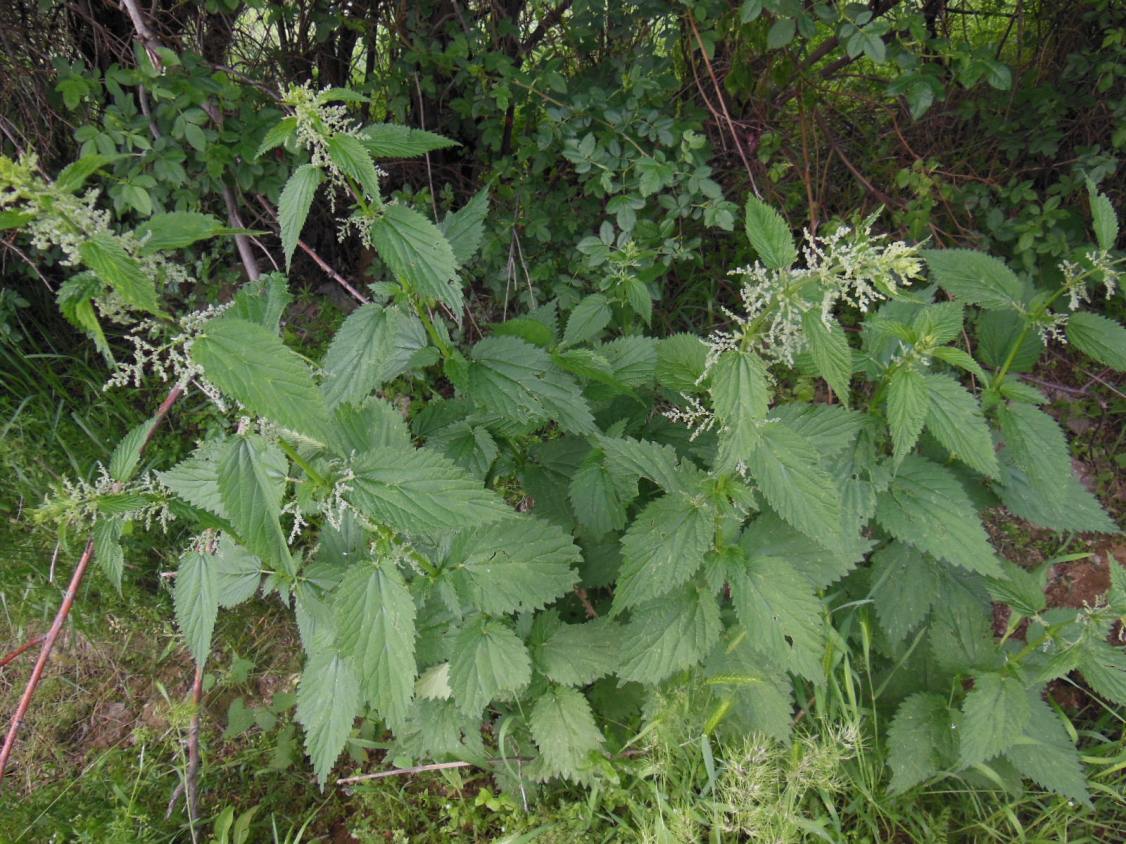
column 26, row 646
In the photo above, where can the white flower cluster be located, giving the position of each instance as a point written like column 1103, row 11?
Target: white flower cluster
column 169, row 359
column 1075, row 277
column 850, row 265
column 77, row 501
column 693, row 416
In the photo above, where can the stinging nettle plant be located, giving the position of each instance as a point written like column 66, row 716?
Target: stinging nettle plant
column 502, row 532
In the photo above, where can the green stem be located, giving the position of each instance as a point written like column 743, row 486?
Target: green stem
column 315, row 476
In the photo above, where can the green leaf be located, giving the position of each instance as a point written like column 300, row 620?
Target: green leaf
column 753, row 696
column 904, row 586
column 565, row 733
column 488, row 659
column 196, row 478
column 252, row 497
column 955, row 420
column 471, row 447
column 517, row 565
column 740, row 397
column 277, row 135
column 975, row 278
column 328, row 701
column 237, row 572
column 419, row 255
column 252, row 365
column 939, row 323
column 420, row 492
column 663, row 548
column 108, row 260
column 577, row 654
column 177, row 229
column 668, row 634
column 768, row 232
column 781, row 33
column 263, row 301
column 127, row 455
column 371, row 347
column 108, row 551
column 627, row 458
column 598, row 498
column 1046, row 754
column 387, row 140
column 1103, row 219
column 994, row 716
column 465, row 227
column 520, row 382
column 925, row 506
column 76, row 302
column 908, row 404
column 831, row 354
column 1104, row 668
column 830, row 428
column 782, row 615
column 920, row 740
column 293, row 206
column 354, row 161
column 72, row 177
column 1100, row 337
column 680, row 362
column 375, row 618
column 769, row 536
column 787, row 469
column 196, row 601
column 587, row 320
column 960, row 359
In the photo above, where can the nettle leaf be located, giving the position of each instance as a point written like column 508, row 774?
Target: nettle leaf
column 519, row 381
column 328, row 701
column 564, row 730
column 782, row 615
column 196, row 601
column 1104, row 668
column 769, row 536
column 908, row 403
column 633, row 459
column 107, row 549
column 975, row 278
column 904, row 586
column 663, row 548
column 375, row 617
column 587, row 320
column 633, row 360
column 488, row 660
column 740, row 397
column 237, row 572
column 828, row 345
column 939, row 323
column 1045, row 753
column 252, row 365
column 177, row 229
column 1103, row 219
column 251, row 497
column 577, row 654
column 598, row 497
column 465, row 227
column 196, row 478
column 830, row 428
column 669, row 634
column 263, row 301
column 421, row 492
column 371, row 347
column 103, row 255
column 752, row 695
column 787, row 469
column 517, row 565
column 994, row 716
column 680, row 362
column 770, row 234
column 955, row 419
column 1100, row 337
column 127, row 454
column 293, row 206
column 925, row 506
column 388, row 140
column 419, row 255
column 354, row 161
column 277, row 135
column 76, row 303
column 920, row 740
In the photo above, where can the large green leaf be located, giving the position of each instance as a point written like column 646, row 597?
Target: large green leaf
column 488, row 659
column 328, row 701
column 1046, row 754
column 769, row 536
column 578, row 654
column 372, row 346
column 196, row 601
column 994, row 716
column 293, row 207
column 375, row 617
column 954, row 417
column 127, row 454
column 908, row 404
column 251, row 497
column 920, row 740
column 420, row 492
column 740, row 398
column 587, row 320
column 598, row 497
column 904, row 586
column 419, row 255
column 563, row 727
column 1100, row 337
column 769, row 235
column 237, row 572
column 669, row 634
column 390, row 140
column 354, row 161
column 107, row 548
column 517, row 565
column 252, row 365
column 177, row 229
column 787, row 469
column 828, row 345
column 465, row 227
column 663, row 548
column 925, row 506
column 108, row 260
column 782, row 615
column 975, row 278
